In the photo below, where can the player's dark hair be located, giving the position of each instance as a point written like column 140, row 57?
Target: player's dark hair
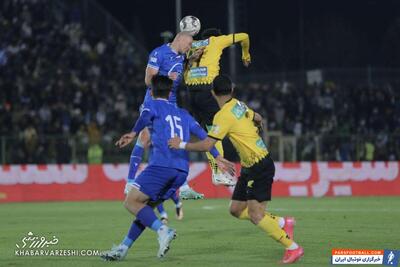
column 207, row 33
column 222, row 85
column 161, row 86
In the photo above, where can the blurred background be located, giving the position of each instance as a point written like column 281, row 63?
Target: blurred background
column 325, row 75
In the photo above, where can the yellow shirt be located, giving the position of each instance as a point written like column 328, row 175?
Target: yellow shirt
column 235, row 120
column 204, row 71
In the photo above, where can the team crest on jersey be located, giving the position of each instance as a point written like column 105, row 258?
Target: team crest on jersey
column 239, row 110
column 260, row 143
column 200, row 43
column 214, row 129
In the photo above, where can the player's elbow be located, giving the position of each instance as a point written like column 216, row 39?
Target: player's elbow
column 241, row 36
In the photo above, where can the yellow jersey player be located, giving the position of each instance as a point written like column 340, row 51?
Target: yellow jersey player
column 199, row 76
column 253, row 189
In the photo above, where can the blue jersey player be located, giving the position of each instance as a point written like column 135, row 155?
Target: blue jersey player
column 167, row 60
column 167, row 169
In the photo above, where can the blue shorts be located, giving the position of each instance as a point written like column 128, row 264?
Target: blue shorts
column 160, row 183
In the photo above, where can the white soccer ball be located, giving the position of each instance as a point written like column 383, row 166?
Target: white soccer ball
column 190, row 24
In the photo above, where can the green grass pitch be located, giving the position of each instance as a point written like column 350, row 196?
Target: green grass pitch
column 208, row 235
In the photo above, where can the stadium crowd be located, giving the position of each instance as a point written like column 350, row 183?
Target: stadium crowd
column 57, row 79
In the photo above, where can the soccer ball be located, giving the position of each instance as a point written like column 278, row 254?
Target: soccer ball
column 190, row 24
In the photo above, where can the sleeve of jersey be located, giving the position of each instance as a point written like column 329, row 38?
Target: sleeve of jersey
column 144, row 120
column 242, row 38
column 250, row 114
column 196, row 129
column 154, row 60
column 220, row 128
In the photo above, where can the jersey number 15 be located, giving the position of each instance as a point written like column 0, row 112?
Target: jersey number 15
column 174, row 123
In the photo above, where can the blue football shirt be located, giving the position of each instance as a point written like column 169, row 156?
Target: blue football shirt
column 164, row 120
column 166, row 61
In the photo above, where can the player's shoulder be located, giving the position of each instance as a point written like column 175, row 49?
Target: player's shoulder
column 148, row 104
column 220, row 37
column 233, row 109
column 162, row 49
column 184, row 112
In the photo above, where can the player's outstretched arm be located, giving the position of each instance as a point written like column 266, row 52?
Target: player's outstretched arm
column 199, row 132
column 243, row 39
column 125, row 140
column 144, row 120
column 225, row 165
column 202, row 146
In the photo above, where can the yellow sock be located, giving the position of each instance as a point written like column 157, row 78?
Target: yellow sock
column 273, row 216
column 211, row 160
column 245, row 215
column 271, row 227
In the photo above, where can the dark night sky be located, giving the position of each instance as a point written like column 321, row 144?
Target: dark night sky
column 340, row 33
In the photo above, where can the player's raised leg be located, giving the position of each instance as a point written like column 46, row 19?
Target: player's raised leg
column 142, row 142
column 135, row 203
column 218, row 177
column 118, row 253
column 163, row 213
column 186, row 192
column 178, row 206
column 255, row 212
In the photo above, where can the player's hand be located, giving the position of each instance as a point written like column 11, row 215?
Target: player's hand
column 128, row 188
column 125, row 140
column 173, row 75
column 257, row 118
column 174, row 142
column 246, row 61
column 225, row 165
column 196, row 54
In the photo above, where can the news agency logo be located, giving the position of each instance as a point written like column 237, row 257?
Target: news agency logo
column 39, row 245
column 363, row 256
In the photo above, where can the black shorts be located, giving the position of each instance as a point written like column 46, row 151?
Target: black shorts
column 202, row 104
column 255, row 183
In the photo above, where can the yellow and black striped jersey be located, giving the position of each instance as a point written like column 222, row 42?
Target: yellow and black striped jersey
column 235, row 120
column 207, row 68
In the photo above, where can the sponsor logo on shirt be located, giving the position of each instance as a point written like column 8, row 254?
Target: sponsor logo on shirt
column 201, row 43
column 198, row 72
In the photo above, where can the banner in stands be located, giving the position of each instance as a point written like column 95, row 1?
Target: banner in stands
column 106, row 182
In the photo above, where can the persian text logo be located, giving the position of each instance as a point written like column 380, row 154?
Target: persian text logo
column 33, row 241
column 35, row 245
column 366, row 256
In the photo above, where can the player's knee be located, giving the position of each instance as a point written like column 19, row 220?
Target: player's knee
column 127, row 204
column 255, row 216
column 130, row 204
column 235, row 211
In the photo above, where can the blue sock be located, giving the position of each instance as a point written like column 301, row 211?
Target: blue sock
column 136, row 159
column 135, row 231
column 148, row 218
column 161, row 210
column 175, row 199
